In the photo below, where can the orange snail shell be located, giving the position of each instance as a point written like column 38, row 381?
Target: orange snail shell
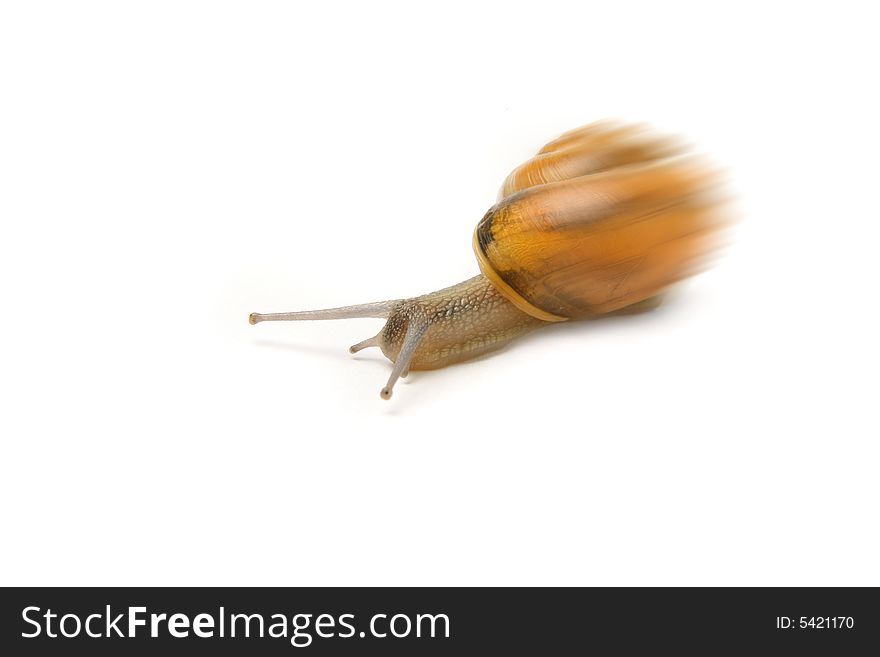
column 601, row 218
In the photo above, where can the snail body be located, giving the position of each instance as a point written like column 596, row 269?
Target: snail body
column 602, row 220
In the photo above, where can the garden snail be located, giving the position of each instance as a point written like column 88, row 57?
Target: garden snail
column 602, row 219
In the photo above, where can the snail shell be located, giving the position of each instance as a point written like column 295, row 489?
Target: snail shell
column 601, row 218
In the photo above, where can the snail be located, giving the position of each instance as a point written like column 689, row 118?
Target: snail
column 601, row 220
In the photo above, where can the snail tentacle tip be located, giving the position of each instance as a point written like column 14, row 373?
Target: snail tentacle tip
column 385, row 393
column 369, row 342
column 253, row 318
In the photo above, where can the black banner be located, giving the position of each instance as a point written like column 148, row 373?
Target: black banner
column 446, row 621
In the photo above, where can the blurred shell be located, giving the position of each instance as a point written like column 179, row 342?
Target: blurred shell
column 602, row 217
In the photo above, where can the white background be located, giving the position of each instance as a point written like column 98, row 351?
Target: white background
column 168, row 167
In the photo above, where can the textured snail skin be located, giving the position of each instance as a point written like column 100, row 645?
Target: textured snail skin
column 601, row 220
column 465, row 321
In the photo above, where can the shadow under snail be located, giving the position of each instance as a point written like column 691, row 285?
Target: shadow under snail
column 603, row 219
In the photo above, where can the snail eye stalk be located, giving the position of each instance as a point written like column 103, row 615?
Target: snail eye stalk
column 414, row 335
column 379, row 309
